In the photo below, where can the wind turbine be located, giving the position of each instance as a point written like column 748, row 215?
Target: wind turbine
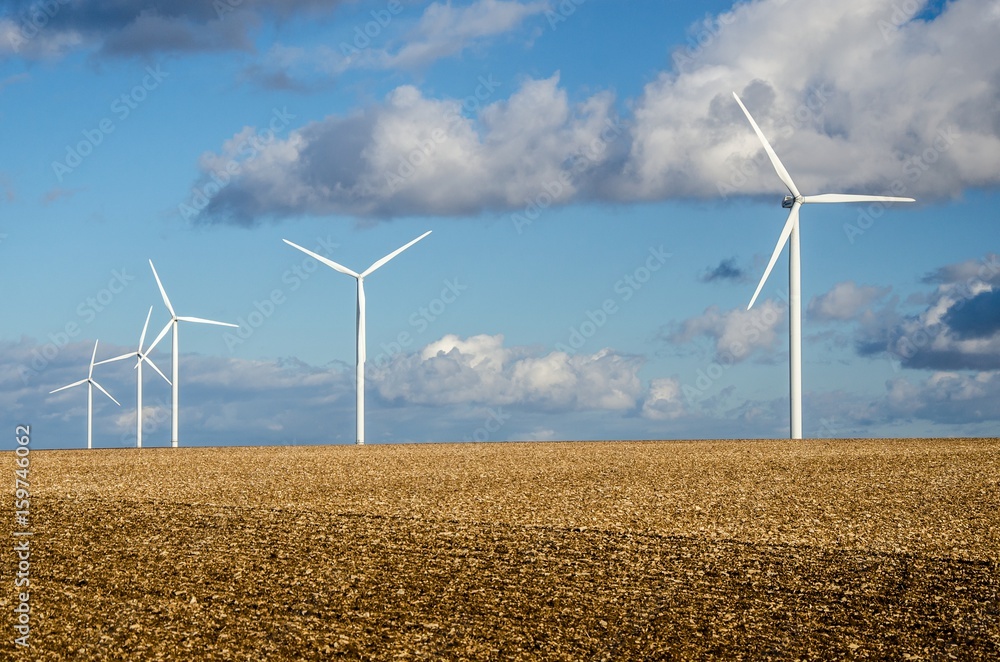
column 790, row 235
column 361, row 353
column 172, row 325
column 141, row 356
column 89, row 381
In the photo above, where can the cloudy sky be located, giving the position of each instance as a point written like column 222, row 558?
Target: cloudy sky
column 601, row 213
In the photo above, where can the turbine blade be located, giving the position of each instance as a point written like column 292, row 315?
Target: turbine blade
column 142, row 337
column 163, row 292
column 328, row 262
column 143, row 357
column 793, row 217
column 101, row 388
column 775, row 161
column 117, row 358
column 393, row 254
column 199, row 320
column 63, row 388
column 848, row 197
column 92, row 357
column 159, row 337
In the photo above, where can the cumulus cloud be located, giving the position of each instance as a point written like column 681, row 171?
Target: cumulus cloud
column 481, row 370
column 958, row 329
column 846, row 301
column 665, row 401
column 415, row 155
column 861, row 107
column 737, row 334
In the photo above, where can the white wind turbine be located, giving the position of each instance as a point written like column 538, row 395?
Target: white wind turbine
column 140, row 356
column 89, row 381
column 790, row 235
column 361, row 353
column 172, row 325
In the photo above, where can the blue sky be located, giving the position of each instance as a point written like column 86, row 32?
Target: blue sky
column 601, row 213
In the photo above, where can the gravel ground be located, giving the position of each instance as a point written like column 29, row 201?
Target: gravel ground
column 854, row 549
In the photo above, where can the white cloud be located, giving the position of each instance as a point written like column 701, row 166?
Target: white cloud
column 959, row 327
column 446, row 30
column 481, row 370
column 737, row 333
column 845, row 301
column 848, row 107
column 665, row 401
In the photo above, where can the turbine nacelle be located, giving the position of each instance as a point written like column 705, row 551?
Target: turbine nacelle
column 788, row 201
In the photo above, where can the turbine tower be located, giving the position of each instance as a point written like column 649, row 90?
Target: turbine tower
column 172, row 326
column 361, row 353
column 89, row 381
column 790, row 235
column 141, row 356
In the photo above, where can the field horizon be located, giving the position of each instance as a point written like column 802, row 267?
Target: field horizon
column 724, row 549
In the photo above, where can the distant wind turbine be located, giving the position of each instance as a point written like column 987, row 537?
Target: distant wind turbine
column 361, row 353
column 172, row 325
column 89, row 381
column 140, row 356
column 790, row 235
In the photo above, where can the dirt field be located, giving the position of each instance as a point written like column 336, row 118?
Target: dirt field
column 857, row 549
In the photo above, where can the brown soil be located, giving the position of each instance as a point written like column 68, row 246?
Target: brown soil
column 855, row 549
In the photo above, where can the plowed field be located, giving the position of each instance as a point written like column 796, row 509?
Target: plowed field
column 855, row 549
